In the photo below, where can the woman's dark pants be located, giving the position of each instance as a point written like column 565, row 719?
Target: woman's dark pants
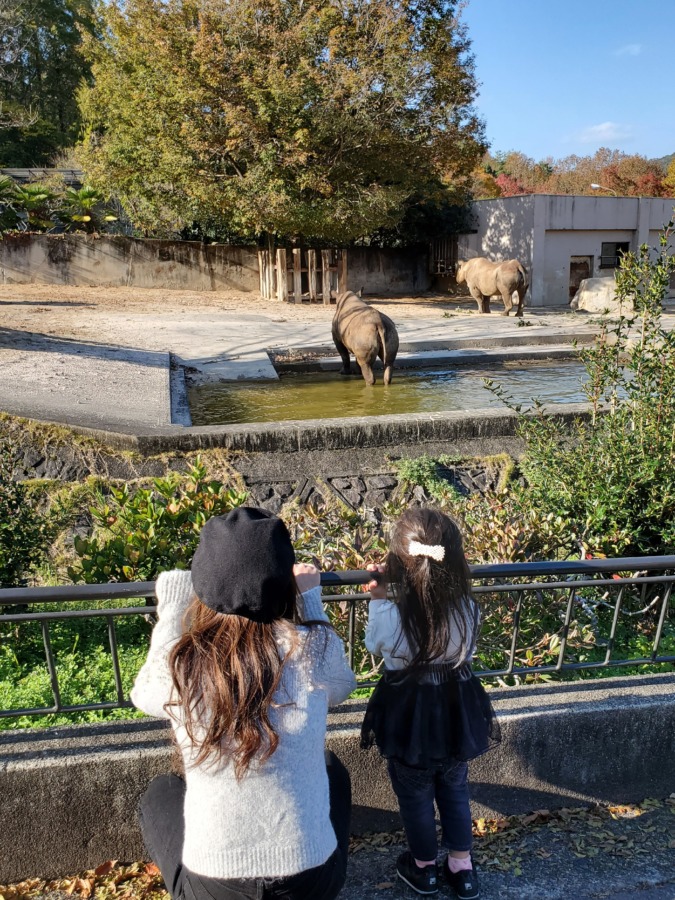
column 416, row 790
column 162, row 824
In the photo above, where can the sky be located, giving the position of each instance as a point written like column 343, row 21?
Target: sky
column 568, row 77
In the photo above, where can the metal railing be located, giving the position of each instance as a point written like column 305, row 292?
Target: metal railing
column 597, row 591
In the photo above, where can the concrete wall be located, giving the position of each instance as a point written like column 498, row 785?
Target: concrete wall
column 385, row 271
column 78, row 259
column 70, row 794
column 504, row 230
column 560, row 246
column 127, row 262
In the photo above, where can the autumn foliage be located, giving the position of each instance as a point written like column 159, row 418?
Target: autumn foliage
column 628, row 175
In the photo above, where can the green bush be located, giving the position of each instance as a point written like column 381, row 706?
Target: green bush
column 138, row 534
column 24, row 532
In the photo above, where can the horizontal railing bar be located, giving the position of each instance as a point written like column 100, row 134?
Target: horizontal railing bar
column 52, row 710
column 507, row 587
column 52, row 615
column 573, row 667
column 65, row 593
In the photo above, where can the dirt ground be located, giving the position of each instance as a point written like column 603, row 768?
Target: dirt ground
column 24, row 306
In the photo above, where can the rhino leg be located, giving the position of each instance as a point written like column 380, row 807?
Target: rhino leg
column 344, row 354
column 521, row 297
column 387, row 374
column 508, row 303
column 366, row 366
column 480, row 300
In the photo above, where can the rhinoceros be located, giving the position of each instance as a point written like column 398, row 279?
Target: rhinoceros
column 360, row 329
column 484, row 279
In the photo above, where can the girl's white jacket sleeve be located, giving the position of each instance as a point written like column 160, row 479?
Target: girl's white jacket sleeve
column 332, row 671
column 152, row 689
column 383, row 628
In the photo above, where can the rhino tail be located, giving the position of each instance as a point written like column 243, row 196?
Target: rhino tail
column 523, row 274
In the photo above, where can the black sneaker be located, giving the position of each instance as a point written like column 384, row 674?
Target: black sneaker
column 423, row 880
column 465, row 883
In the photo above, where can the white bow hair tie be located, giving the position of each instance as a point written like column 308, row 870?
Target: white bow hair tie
column 434, row 551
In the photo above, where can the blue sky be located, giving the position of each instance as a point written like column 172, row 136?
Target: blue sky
column 575, row 75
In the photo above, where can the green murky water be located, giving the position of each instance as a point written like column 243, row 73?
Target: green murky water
column 321, row 395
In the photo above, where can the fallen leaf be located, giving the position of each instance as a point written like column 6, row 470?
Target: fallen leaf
column 151, row 869
column 383, row 885
column 105, row 868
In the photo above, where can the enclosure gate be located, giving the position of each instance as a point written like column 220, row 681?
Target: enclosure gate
column 296, row 275
column 443, row 256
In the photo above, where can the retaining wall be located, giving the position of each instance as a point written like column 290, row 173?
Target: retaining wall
column 118, row 261
column 70, row 794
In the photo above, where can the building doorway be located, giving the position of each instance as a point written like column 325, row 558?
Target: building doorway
column 580, row 267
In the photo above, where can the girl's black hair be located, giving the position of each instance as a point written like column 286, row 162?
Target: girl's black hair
column 433, row 598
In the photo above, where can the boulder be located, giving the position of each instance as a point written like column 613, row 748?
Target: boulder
column 598, row 295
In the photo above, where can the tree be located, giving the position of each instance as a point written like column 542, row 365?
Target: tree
column 629, row 175
column 41, row 67
column 303, row 120
column 669, row 180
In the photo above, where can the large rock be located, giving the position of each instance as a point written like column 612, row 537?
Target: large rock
column 598, row 295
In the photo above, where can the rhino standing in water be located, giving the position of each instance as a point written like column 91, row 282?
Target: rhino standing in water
column 360, row 329
column 484, row 279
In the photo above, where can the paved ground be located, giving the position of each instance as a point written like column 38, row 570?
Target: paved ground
column 602, row 853
column 572, row 854
column 93, row 355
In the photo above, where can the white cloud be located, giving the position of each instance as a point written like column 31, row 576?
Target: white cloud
column 604, row 132
column 629, row 50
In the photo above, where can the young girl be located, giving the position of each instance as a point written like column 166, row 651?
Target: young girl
column 428, row 714
column 245, row 665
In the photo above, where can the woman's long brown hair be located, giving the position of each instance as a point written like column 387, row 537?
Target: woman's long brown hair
column 226, row 670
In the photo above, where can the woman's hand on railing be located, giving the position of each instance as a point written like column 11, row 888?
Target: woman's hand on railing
column 307, row 576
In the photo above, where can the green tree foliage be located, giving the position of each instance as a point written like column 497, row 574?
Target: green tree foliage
column 47, row 206
column 40, row 70
column 316, row 121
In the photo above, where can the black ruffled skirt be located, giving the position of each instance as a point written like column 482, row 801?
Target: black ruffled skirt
column 430, row 717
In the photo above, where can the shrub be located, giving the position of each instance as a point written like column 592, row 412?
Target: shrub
column 24, row 532
column 138, row 534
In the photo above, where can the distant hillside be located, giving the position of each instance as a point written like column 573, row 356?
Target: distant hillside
column 664, row 161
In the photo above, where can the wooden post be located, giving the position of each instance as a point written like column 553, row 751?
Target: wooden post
column 297, row 275
column 325, row 275
column 261, row 272
column 342, row 271
column 282, row 277
column 311, row 275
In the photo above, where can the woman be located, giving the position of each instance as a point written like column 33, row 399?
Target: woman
column 245, row 665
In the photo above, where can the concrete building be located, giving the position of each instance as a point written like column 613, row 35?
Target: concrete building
column 563, row 239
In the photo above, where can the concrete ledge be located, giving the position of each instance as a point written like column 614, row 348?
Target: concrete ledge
column 331, row 434
column 70, row 794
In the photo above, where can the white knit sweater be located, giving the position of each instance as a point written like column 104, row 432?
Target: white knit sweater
column 275, row 821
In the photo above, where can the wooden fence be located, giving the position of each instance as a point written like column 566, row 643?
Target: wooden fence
column 296, row 275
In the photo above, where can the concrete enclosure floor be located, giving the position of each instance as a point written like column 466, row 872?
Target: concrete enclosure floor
column 96, row 356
